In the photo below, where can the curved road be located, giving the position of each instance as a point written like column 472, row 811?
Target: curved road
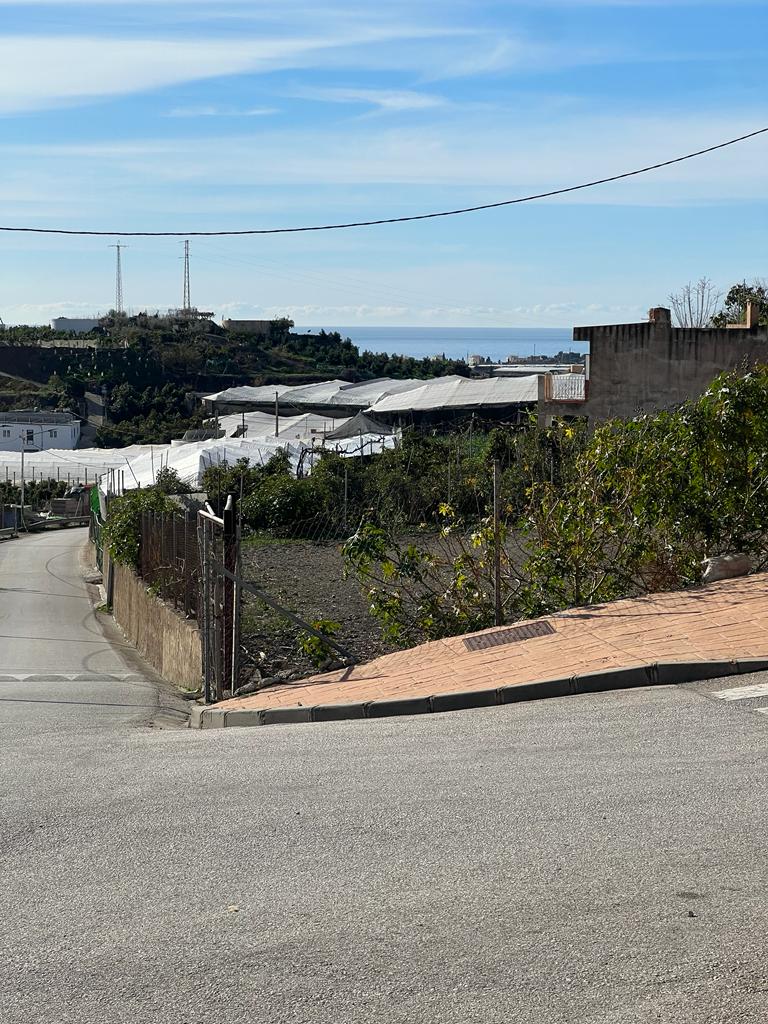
column 61, row 664
column 596, row 859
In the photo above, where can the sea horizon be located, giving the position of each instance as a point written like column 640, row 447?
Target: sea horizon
column 495, row 343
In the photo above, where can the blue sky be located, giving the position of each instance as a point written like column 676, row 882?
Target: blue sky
column 215, row 115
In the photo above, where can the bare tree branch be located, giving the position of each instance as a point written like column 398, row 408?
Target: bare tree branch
column 695, row 304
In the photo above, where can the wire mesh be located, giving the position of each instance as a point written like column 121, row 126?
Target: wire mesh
column 169, row 559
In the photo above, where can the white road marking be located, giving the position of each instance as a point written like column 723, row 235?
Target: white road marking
column 743, row 692
column 70, row 677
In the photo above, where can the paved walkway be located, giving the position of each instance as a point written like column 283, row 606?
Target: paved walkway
column 726, row 620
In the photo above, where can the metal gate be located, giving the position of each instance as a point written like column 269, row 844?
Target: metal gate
column 221, row 588
column 219, row 617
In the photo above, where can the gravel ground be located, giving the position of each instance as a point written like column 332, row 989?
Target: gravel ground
column 308, row 579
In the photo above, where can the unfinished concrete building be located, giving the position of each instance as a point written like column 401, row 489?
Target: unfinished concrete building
column 646, row 367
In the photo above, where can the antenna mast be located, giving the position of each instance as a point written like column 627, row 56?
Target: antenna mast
column 119, row 277
column 187, row 297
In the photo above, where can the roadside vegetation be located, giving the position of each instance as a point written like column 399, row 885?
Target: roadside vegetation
column 634, row 508
column 37, row 493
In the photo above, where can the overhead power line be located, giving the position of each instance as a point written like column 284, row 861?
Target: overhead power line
column 397, row 220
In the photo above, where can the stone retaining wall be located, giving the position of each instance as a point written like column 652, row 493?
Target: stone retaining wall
column 170, row 643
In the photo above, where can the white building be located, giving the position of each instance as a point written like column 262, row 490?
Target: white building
column 38, row 431
column 79, row 325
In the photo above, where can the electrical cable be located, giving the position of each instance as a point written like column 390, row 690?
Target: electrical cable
column 392, row 220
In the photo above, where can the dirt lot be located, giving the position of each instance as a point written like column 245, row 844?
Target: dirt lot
column 307, row 579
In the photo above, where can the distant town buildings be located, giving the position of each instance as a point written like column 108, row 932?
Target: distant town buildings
column 32, row 431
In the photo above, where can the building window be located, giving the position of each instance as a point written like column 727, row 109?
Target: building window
column 54, row 433
column 30, row 436
column 6, row 433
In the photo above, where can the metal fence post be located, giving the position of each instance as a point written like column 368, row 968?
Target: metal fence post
column 174, row 563
column 203, row 541
column 230, row 564
column 237, row 600
column 498, row 609
column 346, row 496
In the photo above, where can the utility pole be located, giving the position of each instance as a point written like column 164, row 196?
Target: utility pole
column 497, row 601
column 187, row 297
column 23, row 492
column 119, row 277
column 23, row 439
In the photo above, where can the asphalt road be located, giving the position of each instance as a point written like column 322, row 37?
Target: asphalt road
column 593, row 859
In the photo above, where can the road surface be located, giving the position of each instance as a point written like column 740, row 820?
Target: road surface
column 595, row 859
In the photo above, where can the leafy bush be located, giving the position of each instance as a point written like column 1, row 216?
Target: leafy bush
column 122, row 530
column 281, row 502
column 314, row 647
column 634, row 509
column 168, row 481
column 37, row 493
column 439, row 586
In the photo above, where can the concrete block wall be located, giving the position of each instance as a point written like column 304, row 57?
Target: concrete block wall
column 652, row 366
column 170, row 643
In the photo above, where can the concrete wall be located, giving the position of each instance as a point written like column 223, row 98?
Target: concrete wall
column 95, row 408
column 257, row 327
column 77, row 325
column 652, row 366
column 170, row 643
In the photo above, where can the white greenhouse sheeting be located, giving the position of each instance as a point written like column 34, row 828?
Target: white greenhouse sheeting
column 309, row 427
column 330, row 393
column 390, row 395
column 259, row 424
column 349, row 447
column 312, row 394
column 362, row 395
column 247, row 394
column 71, row 464
column 191, row 460
column 460, row 393
column 303, row 427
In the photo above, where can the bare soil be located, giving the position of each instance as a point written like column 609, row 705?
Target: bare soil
column 308, row 579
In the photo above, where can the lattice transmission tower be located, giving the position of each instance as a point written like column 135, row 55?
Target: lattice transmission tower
column 119, row 277
column 187, row 306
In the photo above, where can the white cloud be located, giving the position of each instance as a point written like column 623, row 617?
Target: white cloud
column 383, row 99
column 37, row 72
column 489, row 159
column 45, row 71
column 214, row 110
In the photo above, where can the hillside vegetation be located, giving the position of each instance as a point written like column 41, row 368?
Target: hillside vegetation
column 149, row 366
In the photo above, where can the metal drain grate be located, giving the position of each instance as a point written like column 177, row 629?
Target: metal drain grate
column 508, row 636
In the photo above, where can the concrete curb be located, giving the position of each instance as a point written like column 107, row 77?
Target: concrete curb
column 657, row 673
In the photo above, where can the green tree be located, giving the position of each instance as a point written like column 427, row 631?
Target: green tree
column 734, row 309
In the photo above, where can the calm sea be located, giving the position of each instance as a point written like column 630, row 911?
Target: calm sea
column 458, row 342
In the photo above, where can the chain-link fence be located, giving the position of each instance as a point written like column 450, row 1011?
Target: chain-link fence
column 169, row 559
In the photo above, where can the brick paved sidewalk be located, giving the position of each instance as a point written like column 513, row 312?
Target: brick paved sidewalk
column 722, row 621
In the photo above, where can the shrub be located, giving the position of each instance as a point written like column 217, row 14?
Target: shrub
column 122, row 529
column 168, row 481
column 281, row 503
column 633, row 509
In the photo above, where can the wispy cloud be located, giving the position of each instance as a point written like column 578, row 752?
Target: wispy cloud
column 517, row 157
column 382, row 99
column 37, row 72
column 214, row 110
